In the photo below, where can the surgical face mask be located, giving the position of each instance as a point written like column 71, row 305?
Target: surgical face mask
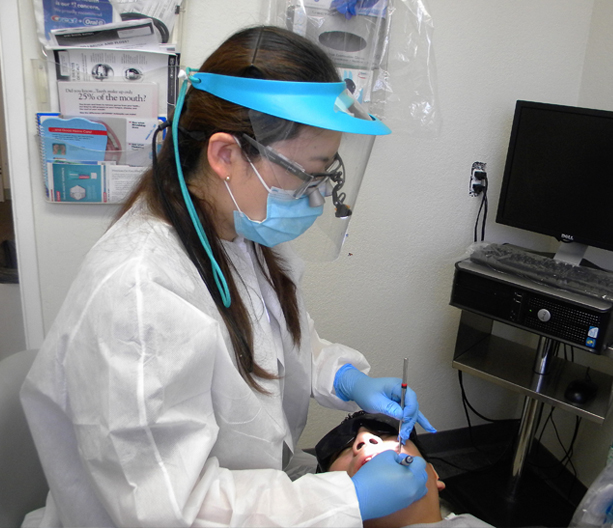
column 286, row 217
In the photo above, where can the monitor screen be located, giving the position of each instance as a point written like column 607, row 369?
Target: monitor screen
column 558, row 176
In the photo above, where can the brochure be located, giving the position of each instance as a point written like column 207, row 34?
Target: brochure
column 111, row 66
column 75, row 139
column 76, row 182
column 129, row 139
column 102, row 183
column 120, row 180
column 108, row 99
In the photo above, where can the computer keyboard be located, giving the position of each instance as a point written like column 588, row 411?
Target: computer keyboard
column 517, row 261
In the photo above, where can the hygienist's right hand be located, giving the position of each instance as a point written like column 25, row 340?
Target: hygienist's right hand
column 383, row 486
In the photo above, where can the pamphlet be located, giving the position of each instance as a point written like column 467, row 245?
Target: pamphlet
column 108, row 99
column 112, row 66
column 75, row 139
column 120, row 180
column 102, row 183
column 129, row 139
column 76, row 182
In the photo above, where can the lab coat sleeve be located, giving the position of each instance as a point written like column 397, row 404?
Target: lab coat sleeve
column 268, row 498
column 327, row 359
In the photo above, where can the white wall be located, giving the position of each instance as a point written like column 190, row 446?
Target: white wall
column 414, row 217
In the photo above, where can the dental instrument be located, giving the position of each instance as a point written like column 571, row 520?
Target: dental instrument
column 406, row 461
column 403, row 391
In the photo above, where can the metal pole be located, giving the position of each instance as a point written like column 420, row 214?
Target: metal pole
column 524, row 440
column 545, row 351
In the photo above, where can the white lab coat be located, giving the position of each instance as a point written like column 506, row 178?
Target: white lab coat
column 138, row 410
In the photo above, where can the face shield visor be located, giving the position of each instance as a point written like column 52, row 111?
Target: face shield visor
column 324, row 166
column 313, row 140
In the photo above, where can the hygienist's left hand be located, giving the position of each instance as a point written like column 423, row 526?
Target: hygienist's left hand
column 380, row 395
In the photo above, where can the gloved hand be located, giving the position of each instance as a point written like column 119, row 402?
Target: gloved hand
column 383, row 486
column 380, row 395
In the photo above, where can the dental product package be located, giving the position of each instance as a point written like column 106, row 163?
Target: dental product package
column 53, row 15
column 164, row 13
column 131, row 34
column 105, row 23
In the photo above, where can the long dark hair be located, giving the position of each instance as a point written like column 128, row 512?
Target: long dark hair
column 264, row 52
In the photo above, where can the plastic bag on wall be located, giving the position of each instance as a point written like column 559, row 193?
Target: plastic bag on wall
column 382, row 49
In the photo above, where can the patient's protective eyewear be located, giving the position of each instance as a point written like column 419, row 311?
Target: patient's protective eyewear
column 341, row 437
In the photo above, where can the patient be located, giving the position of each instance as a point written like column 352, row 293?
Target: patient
column 362, row 436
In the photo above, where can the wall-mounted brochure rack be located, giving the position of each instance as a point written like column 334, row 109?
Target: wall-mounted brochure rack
column 108, row 103
column 95, row 160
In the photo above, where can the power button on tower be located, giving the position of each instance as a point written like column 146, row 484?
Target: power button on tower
column 544, row 315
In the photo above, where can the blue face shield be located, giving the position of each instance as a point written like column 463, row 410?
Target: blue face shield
column 327, row 106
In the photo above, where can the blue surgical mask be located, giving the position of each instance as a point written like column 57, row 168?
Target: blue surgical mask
column 286, row 217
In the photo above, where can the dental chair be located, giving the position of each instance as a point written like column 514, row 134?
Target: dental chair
column 23, row 486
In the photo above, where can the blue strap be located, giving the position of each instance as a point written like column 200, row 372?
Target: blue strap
column 220, row 280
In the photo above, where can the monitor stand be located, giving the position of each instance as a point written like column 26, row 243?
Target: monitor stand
column 571, row 253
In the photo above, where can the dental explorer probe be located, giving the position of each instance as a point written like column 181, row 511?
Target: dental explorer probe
column 403, row 391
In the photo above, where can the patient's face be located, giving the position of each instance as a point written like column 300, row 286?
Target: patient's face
column 366, row 446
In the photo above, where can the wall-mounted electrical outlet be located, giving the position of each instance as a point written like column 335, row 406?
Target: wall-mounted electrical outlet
column 478, row 179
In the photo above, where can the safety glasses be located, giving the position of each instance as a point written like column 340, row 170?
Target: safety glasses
column 309, row 181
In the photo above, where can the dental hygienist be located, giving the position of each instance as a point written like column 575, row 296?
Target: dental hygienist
column 175, row 382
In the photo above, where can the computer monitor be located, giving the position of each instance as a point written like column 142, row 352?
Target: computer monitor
column 558, row 176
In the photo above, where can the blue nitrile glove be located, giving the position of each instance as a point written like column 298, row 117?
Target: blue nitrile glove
column 383, row 486
column 348, row 7
column 380, row 395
